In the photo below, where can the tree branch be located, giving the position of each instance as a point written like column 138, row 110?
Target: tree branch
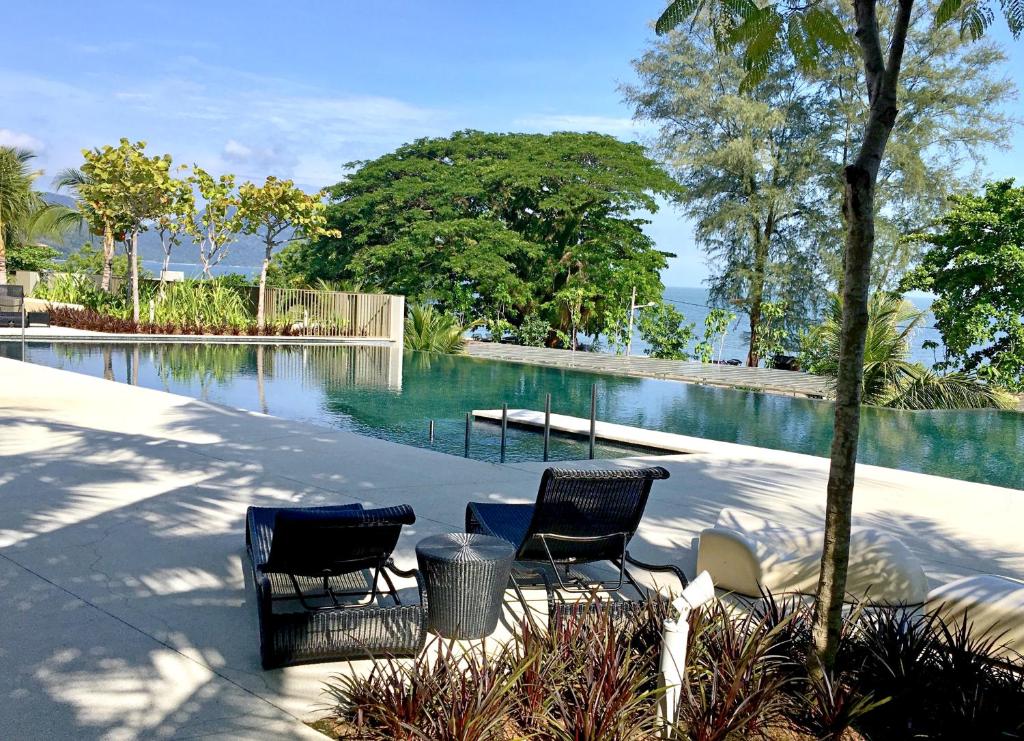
column 897, row 44
column 870, row 45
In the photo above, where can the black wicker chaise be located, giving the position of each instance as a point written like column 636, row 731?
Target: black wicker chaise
column 323, row 587
column 581, row 517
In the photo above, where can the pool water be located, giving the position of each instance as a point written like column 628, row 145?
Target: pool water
column 393, row 395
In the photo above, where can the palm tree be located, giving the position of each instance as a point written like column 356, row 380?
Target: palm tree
column 431, row 331
column 25, row 218
column 890, row 378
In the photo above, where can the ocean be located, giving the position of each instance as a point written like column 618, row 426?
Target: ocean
column 693, row 303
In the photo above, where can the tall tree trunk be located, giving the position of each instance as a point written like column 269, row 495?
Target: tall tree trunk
column 753, row 359
column 3, row 256
column 859, row 213
column 757, row 296
column 134, row 259
column 108, row 258
column 261, row 302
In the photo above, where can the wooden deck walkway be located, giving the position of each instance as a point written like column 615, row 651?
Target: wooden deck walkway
column 688, row 371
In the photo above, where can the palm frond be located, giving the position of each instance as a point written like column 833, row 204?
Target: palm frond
column 429, row 330
column 925, row 389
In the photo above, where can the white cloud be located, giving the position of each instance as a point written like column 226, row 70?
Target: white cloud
column 233, row 149
column 220, row 119
column 620, row 126
column 19, row 140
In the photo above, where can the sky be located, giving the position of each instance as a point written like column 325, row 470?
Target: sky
column 299, row 89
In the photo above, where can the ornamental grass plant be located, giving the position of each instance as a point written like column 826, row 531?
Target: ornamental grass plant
column 593, row 677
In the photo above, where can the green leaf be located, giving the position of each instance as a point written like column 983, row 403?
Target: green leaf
column 975, row 21
column 674, row 15
column 947, row 10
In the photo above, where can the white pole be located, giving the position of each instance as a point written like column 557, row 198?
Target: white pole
column 24, row 316
column 629, row 333
column 674, row 637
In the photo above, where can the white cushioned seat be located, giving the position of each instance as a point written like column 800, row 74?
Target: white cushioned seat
column 993, row 607
column 745, row 553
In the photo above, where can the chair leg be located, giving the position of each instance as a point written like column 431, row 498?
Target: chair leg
column 527, row 610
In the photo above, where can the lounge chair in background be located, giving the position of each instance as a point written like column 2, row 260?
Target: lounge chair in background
column 580, row 517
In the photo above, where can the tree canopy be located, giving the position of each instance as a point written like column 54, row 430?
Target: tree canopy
column 975, row 266
column 761, row 165
column 500, row 227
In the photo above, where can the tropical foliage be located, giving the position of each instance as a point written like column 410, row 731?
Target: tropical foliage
column 431, row 330
column 35, row 257
column 592, row 677
column 500, row 227
column 877, row 34
column 761, row 165
column 975, row 266
column 663, row 327
column 279, row 212
column 25, row 218
column 890, row 379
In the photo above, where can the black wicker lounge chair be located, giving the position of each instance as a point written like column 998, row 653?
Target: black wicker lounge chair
column 581, row 517
column 323, row 587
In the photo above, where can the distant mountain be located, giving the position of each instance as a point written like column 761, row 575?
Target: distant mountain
column 245, row 251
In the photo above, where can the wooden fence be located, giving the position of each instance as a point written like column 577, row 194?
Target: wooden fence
column 367, row 315
column 371, row 316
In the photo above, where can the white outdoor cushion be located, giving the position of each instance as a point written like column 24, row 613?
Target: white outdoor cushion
column 993, row 605
column 745, row 553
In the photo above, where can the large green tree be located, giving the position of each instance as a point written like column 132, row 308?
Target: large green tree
column 215, row 227
column 279, row 212
column 500, row 227
column 937, row 144
column 129, row 190
column 975, row 266
column 762, row 166
column 751, row 167
column 809, row 32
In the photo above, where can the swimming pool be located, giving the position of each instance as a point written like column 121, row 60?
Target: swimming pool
column 393, row 395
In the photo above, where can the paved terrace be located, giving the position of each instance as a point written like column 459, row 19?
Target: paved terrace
column 732, row 376
column 124, row 606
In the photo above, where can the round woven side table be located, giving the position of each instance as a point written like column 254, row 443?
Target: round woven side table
column 466, row 576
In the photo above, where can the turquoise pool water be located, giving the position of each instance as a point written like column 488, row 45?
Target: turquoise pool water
column 393, row 395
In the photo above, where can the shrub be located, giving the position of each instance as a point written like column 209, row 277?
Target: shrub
column 593, row 676
column 195, row 303
column 533, row 332
column 429, row 330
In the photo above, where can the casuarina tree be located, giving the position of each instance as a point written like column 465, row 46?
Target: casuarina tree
column 810, row 32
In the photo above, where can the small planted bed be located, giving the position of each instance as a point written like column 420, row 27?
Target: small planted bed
column 96, row 322
column 594, row 677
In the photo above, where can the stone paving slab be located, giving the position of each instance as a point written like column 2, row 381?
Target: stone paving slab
column 688, row 371
column 124, row 608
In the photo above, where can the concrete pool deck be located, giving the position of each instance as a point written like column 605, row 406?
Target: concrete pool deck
column 125, row 611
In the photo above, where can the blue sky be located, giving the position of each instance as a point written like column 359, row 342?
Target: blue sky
column 297, row 89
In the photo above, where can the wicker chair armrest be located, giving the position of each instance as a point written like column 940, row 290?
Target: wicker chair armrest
column 421, row 584
column 659, row 568
column 404, row 573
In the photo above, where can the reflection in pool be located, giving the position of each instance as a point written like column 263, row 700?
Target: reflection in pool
column 393, row 395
